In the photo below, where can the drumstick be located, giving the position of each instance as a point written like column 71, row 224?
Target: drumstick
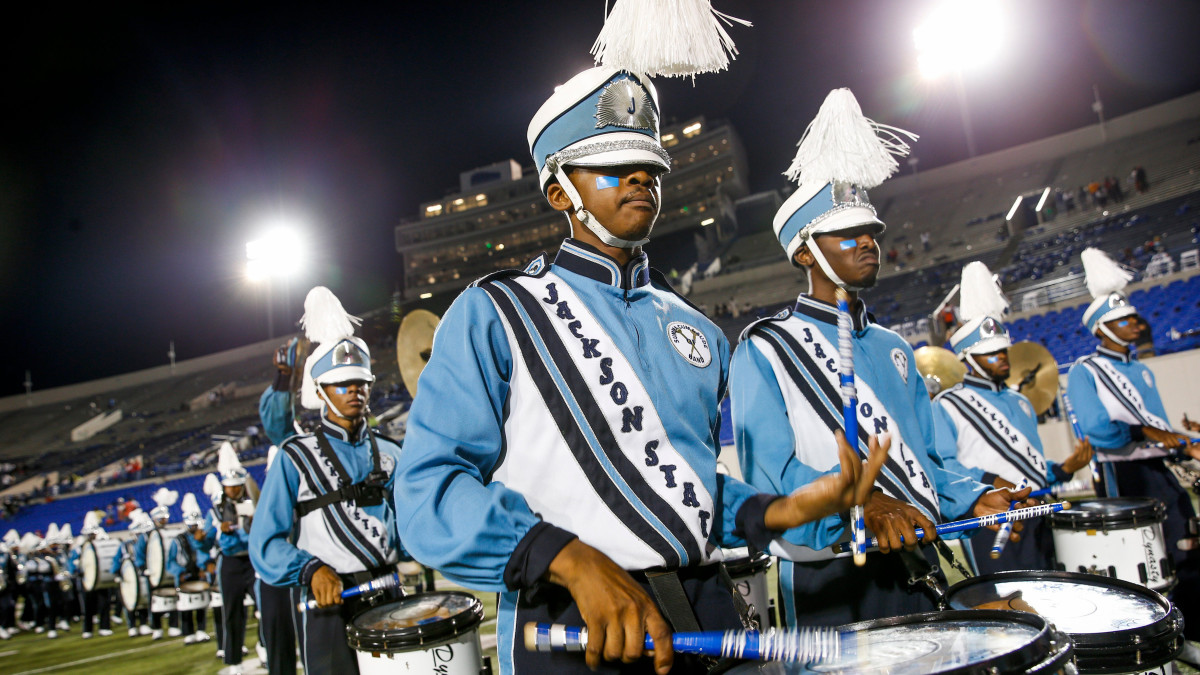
column 1005, row 531
column 377, row 584
column 973, row 523
column 1095, row 467
column 803, row 644
column 858, row 529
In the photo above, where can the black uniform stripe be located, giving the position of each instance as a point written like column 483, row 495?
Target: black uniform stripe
column 783, row 343
column 573, row 435
column 303, row 459
column 978, row 422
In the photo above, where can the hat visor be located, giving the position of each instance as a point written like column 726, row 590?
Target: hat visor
column 846, row 219
column 609, row 152
column 988, row 346
column 233, row 481
column 1116, row 313
column 346, row 374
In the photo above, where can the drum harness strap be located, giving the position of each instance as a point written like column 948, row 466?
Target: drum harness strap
column 369, row 492
column 921, row 571
column 190, row 566
column 677, row 609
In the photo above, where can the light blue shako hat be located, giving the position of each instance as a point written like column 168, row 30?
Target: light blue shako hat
column 1106, row 279
column 337, row 356
column 839, row 157
column 981, row 306
column 608, row 116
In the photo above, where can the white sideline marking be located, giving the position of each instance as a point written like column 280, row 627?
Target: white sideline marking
column 11, row 652
column 97, row 658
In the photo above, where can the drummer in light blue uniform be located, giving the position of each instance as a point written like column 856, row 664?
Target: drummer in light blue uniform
column 140, row 525
column 325, row 519
column 787, row 405
column 991, row 430
column 189, row 558
column 562, row 446
column 96, row 601
column 1119, row 408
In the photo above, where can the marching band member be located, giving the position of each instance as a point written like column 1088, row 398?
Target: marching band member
column 160, row 515
column 579, row 469
column 990, row 430
column 9, row 551
column 234, row 513
column 325, row 519
column 784, row 385
column 94, row 601
column 135, row 549
column 1119, row 409
column 44, row 575
column 189, row 558
column 212, row 489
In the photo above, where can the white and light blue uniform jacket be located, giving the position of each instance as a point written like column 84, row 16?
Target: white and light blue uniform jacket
column 787, row 403
column 1113, row 396
column 139, row 554
column 578, row 399
column 345, row 536
column 991, row 430
column 275, row 411
column 177, row 559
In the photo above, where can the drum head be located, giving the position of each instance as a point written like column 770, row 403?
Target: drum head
column 164, row 592
column 415, row 622
column 129, row 584
column 1109, row 619
column 942, row 643
column 1109, row 514
column 89, row 566
column 155, row 557
column 194, row 586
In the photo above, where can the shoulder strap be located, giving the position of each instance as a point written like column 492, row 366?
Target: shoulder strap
column 347, row 491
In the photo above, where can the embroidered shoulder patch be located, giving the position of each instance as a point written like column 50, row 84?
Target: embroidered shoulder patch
column 690, row 343
column 900, row 360
column 536, row 266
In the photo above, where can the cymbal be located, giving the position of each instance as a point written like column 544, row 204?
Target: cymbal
column 940, row 365
column 414, row 344
column 1034, row 373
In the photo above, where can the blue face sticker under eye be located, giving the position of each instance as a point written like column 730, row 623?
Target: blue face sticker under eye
column 848, row 244
column 605, row 182
column 341, row 390
column 992, row 358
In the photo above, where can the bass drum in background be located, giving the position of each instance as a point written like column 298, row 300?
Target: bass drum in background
column 134, row 588
column 158, row 543
column 95, row 561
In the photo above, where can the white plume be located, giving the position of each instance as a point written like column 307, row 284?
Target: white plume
column 1104, row 275
column 227, row 459
column 12, row 537
column 165, row 497
column 980, row 294
column 190, row 506
column 91, row 520
column 51, row 533
column 673, row 38
column 212, row 487
column 64, row 533
column 841, row 144
column 325, row 319
column 309, row 398
column 30, row 542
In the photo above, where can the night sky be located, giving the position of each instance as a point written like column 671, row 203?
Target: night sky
column 142, row 150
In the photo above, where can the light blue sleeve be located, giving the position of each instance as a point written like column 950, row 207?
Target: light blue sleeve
column 733, row 492
column 73, row 561
column 766, row 445
column 957, row 493
column 272, row 553
column 203, row 549
column 946, row 435
column 173, row 567
column 450, row 516
column 278, row 418
column 139, row 551
column 115, row 567
column 1104, row 432
column 234, row 542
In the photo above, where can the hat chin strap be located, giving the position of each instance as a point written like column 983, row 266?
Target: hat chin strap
column 1113, row 336
column 589, row 220
column 827, row 268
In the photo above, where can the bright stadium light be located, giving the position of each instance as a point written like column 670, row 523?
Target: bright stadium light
column 277, row 255
column 959, row 36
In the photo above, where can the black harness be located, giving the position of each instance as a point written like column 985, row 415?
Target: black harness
column 189, row 555
column 370, row 491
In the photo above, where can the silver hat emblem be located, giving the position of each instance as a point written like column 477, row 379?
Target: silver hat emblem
column 624, row 103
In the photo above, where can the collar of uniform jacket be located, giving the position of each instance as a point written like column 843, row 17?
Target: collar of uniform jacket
column 980, row 382
column 860, row 318
column 1115, row 356
column 585, row 260
column 334, row 431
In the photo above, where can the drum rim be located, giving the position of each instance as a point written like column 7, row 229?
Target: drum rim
column 137, row 586
column 415, row 637
column 1147, row 510
column 165, row 592
column 186, row 586
column 1033, row 654
column 1138, row 637
column 745, row 566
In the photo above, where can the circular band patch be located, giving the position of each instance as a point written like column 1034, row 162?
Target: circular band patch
column 690, row 343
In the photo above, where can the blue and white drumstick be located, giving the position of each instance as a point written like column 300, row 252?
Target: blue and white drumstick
column 804, row 644
column 858, row 528
column 1005, row 531
column 377, row 584
column 1079, row 435
column 973, row 523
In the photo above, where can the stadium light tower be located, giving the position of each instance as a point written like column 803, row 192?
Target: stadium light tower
column 957, row 37
column 276, row 256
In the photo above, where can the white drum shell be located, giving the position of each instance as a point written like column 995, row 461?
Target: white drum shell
column 135, row 588
column 95, row 561
column 461, row 655
column 215, row 600
column 158, row 542
column 754, row 589
column 189, row 600
column 160, row 601
column 1123, row 550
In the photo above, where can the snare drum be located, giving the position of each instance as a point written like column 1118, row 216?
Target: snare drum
column 135, row 588
column 95, row 561
column 215, row 599
column 428, row 633
column 1120, row 537
column 163, row 600
column 1117, row 626
column 980, row 641
column 193, row 595
column 158, row 542
column 749, row 575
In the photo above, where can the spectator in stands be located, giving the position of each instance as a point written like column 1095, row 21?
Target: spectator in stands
column 1140, row 183
column 925, row 241
column 893, row 255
